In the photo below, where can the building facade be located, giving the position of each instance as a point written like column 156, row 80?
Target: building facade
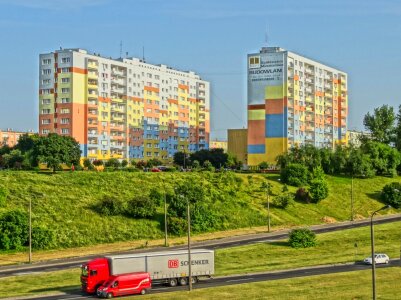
column 293, row 100
column 237, row 144
column 216, row 144
column 122, row 108
column 354, row 137
column 10, row 138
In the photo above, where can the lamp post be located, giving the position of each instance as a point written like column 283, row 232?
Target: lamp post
column 352, row 197
column 372, row 241
column 165, row 218
column 189, row 248
column 30, row 230
column 268, row 206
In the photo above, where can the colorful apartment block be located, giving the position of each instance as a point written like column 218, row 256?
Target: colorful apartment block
column 10, row 137
column 218, row 144
column 293, row 101
column 122, row 108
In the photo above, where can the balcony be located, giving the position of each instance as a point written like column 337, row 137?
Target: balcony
column 92, row 75
column 308, row 80
column 92, row 124
column 328, row 95
column 117, row 100
column 118, row 72
column 120, row 108
column 93, row 65
column 92, row 104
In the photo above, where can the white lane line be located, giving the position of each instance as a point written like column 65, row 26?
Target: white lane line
column 26, row 273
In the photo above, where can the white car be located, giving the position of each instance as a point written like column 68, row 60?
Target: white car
column 380, row 258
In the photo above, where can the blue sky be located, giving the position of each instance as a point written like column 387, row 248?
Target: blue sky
column 362, row 38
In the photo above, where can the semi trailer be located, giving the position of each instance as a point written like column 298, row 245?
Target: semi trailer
column 170, row 267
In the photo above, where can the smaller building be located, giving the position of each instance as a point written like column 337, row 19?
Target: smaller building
column 237, row 144
column 10, row 138
column 354, row 137
column 215, row 144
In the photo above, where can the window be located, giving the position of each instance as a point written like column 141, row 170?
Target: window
column 46, row 71
column 65, row 90
column 65, row 131
column 65, row 111
column 65, row 80
column 46, row 101
column 65, row 60
column 45, row 111
column 148, row 153
column 45, row 131
column 65, row 121
column 65, row 70
column 65, row 100
column 46, row 81
column 46, row 61
column 45, row 121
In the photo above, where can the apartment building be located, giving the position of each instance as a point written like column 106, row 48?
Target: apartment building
column 10, row 137
column 122, row 108
column 292, row 101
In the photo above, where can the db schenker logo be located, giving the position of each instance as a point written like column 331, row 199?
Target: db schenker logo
column 173, row 263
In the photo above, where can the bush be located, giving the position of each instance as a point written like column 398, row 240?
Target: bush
column 263, row 165
column 170, row 169
column 141, row 207
column 131, row 169
column 88, row 164
column 208, row 166
column 3, row 196
column 110, row 207
column 177, row 226
column 318, row 190
column 113, row 162
column 303, row 195
column 294, row 174
column 391, row 194
column 13, row 230
column 43, row 238
column 98, row 162
column 124, row 163
column 302, row 238
column 283, row 200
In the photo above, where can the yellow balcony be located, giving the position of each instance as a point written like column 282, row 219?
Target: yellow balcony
column 92, row 65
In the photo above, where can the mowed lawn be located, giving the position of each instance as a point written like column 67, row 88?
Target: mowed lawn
column 336, row 247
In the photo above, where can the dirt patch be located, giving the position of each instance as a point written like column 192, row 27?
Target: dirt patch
column 329, row 220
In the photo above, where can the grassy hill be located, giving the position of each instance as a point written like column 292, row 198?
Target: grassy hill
column 66, row 200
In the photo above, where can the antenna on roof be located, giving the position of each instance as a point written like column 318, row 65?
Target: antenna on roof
column 143, row 53
column 126, row 54
column 266, row 36
column 121, row 49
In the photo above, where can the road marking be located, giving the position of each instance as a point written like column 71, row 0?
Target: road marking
column 234, row 280
column 26, row 273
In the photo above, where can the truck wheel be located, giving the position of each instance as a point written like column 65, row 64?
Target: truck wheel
column 172, row 282
column 143, row 292
column 194, row 279
column 109, row 295
column 183, row 281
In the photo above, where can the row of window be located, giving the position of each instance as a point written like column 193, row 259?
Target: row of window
column 48, row 61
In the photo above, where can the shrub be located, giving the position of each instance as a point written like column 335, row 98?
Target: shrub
column 13, row 230
column 391, row 194
column 113, row 162
column 318, row 190
column 208, row 166
column 110, row 207
column 170, row 169
column 283, row 200
column 294, row 174
column 88, row 164
column 141, row 207
column 3, row 196
column 302, row 238
column 303, row 195
column 177, row 226
column 154, row 162
column 131, row 169
column 98, row 162
column 43, row 238
column 263, row 165
column 124, row 163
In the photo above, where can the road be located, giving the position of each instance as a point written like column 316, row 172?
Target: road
column 239, row 279
column 60, row 264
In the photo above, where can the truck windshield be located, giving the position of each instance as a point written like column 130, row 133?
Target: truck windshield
column 85, row 271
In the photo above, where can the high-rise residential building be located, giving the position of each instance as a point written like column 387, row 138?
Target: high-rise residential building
column 122, row 108
column 293, row 100
column 10, row 137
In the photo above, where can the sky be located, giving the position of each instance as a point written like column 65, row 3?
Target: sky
column 210, row 37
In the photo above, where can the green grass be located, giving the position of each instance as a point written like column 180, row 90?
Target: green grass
column 332, row 248
column 68, row 198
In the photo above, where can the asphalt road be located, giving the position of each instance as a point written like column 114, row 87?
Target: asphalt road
column 239, row 279
column 60, row 264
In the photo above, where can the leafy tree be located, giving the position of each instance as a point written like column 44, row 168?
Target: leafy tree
column 391, row 194
column 55, row 149
column 233, row 162
column 359, row 164
column 318, row 190
column 302, row 195
column 124, row 163
column 178, row 159
column 43, row 238
column 154, row 162
column 14, row 159
column 196, row 165
column 217, row 157
column 384, row 158
column 294, row 174
column 26, row 142
column 302, row 238
column 398, row 130
column 283, row 200
column 208, row 166
column 381, row 124
column 13, row 230
column 263, row 165
column 141, row 207
column 88, row 164
column 141, row 164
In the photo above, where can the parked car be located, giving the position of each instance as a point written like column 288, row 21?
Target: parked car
column 125, row 284
column 156, row 170
column 380, row 258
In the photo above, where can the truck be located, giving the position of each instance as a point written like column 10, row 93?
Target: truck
column 170, row 267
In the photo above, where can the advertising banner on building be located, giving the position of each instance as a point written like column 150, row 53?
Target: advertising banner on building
column 264, row 69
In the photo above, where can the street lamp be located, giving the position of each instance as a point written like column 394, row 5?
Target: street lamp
column 352, row 197
column 34, row 194
column 189, row 248
column 268, row 206
column 372, row 241
column 165, row 217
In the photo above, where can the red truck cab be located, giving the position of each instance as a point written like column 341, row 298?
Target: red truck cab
column 125, row 284
column 94, row 274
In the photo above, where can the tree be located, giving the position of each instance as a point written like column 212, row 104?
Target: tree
column 381, row 124
column 398, row 130
column 318, row 190
column 14, row 159
column 178, row 158
column 294, row 174
column 26, row 142
column 384, row 158
column 88, row 164
column 302, row 238
column 13, row 230
column 263, row 165
column 141, row 206
column 359, row 164
column 55, row 149
column 391, row 194
column 113, row 163
column 154, row 162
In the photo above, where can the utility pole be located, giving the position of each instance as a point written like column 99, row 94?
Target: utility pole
column 30, row 229
column 268, row 207
column 165, row 218
column 352, row 197
column 189, row 248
